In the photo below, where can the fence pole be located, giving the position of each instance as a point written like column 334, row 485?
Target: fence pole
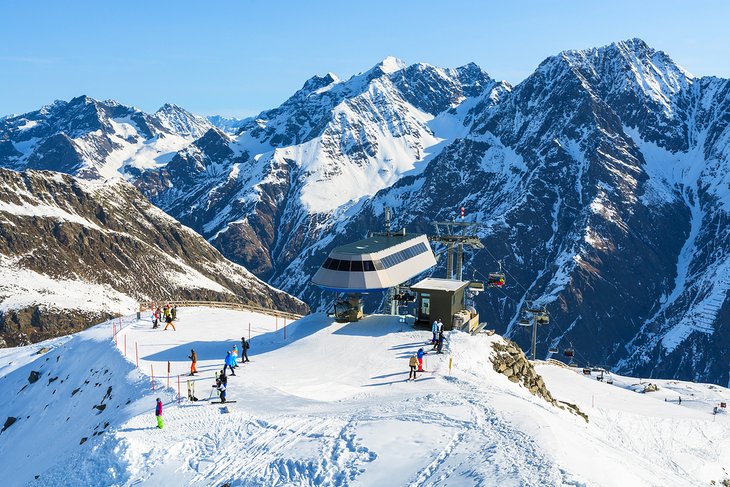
column 276, row 318
column 136, row 354
column 178, row 388
column 450, row 361
column 168, row 373
column 284, row 328
column 125, row 345
column 152, row 374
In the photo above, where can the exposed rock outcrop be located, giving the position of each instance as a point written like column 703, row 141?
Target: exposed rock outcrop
column 509, row 359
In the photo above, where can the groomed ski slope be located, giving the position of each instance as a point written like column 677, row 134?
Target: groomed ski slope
column 329, row 405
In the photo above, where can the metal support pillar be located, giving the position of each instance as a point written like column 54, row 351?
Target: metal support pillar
column 459, row 260
column 393, row 292
column 534, row 335
column 450, row 260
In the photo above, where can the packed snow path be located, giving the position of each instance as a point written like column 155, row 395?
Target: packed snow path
column 329, row 405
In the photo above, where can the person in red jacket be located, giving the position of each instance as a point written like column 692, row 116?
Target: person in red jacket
column 158, row 413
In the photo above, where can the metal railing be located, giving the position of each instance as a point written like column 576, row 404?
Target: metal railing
column 224, row 305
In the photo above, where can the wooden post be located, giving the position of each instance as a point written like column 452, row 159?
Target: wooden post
column 168, row 373
column 152, row 375
column 284, row 328
column 276, row 318
column 450, row 361
column 136, row 354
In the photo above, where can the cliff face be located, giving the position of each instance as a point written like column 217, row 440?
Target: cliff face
column 74, row 252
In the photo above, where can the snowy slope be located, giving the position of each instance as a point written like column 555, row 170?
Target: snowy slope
column 328, row 405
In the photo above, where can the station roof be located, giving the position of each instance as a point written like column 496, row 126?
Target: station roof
column 437, row 284
column 374, row 244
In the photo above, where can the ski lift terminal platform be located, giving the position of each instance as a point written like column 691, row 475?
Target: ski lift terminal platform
column 375, row 263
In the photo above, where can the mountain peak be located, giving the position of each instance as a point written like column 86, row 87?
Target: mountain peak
column 181, row 121
column 391, row 64
column 318, row 82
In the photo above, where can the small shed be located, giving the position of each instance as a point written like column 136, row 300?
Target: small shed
column 439, row 299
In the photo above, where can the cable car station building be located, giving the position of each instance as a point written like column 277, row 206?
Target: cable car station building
column 443, row 299
column 375, row 264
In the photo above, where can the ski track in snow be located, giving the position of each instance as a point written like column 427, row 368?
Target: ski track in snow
column 329, row 406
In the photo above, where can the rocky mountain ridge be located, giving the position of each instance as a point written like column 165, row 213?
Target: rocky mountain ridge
column 74, row 252
column 601, row 181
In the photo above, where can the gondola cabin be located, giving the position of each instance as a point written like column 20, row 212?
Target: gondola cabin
column 495, row 279
column 443, row 299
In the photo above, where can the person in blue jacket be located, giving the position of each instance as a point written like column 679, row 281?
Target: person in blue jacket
column 229, row 363
column 419, row 356
column 435, row 331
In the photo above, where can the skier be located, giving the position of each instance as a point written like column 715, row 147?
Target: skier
column 173, row 313
column 222, row 391
column 412, row 363
column 194, row 359
column 168, row 320
column 440, row 341
column 158, row 413
column 234, row 352
column 229, row 363
column 155, row 320
column 435, row 331
column 439, row 328
column 419, row 356
column 245, row 345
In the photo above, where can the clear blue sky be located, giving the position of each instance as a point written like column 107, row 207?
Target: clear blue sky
column 238, row 57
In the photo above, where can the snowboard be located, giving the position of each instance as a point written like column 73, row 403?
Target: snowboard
column 219, row 402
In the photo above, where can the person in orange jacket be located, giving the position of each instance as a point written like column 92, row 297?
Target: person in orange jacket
column 194, row 359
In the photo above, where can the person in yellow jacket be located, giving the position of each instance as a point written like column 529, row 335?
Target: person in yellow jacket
column 412, row 363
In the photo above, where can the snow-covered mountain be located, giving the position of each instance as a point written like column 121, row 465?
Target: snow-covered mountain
column 267, row 194
column 74, row 252
column 346, row 416
column 602, row 182
column 92, row 138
